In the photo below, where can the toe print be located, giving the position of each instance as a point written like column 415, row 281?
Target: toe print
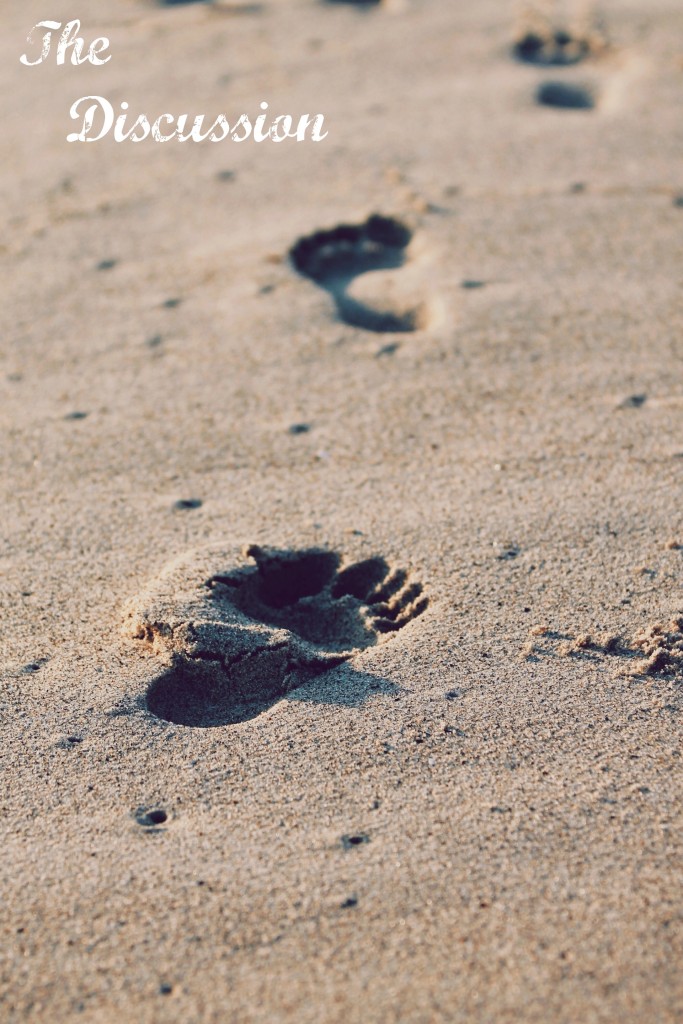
column 336, row 611
column 544, row 43
column 242, row 637
column 334, row 259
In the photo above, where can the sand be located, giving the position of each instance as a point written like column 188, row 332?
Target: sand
column 444, row 345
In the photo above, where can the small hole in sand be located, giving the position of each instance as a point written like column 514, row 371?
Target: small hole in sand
column 358, row 839
column 148, row 819
column 187, row 504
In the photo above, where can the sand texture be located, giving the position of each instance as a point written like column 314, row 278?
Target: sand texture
column 342, row 628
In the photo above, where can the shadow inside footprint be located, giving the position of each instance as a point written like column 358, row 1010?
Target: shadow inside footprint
column 188, row 695
column 272, row 627
column 565, row 96
column 334, row 258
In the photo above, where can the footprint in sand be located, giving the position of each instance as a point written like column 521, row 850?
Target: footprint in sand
column 241, row 630
column 357, row 264
column 656, row 650
column 545, row 43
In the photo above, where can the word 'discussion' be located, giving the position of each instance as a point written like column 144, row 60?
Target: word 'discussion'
column 98, row 119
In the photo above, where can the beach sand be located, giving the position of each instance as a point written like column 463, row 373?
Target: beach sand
column 443, row 786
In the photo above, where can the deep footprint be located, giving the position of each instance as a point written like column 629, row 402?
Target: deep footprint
column 241, row 638
column 547, row 45
column 335, row 258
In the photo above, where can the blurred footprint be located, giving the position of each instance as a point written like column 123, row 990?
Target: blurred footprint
column 356, row 264
column 544, row 40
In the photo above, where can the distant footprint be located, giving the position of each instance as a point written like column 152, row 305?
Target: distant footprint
column 346, row 262
column 545, row 44
column 241, row 637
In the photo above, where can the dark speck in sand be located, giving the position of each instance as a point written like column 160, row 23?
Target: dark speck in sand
column 187, row 504
column 358, row 839
column 388, row 350
column 69, row 742
column 633, row 402
column 148, row 819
